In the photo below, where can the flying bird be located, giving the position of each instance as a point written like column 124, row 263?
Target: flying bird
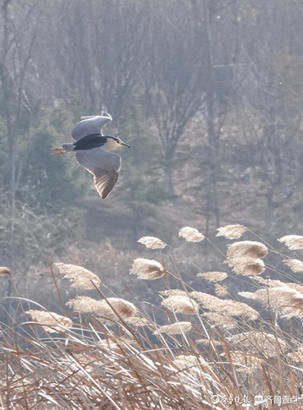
column 93, row 151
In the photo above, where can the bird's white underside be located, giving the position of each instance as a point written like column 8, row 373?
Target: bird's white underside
column 104, row 165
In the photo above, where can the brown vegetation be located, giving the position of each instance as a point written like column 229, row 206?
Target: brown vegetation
column 108, row 354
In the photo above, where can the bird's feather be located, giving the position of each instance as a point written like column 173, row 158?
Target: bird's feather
column 104, row 166
column 104, row 181
column 89, row 126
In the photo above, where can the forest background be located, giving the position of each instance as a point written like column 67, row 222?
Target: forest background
column 209, row 95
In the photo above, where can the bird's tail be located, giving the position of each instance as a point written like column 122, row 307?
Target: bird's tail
column 65, row 148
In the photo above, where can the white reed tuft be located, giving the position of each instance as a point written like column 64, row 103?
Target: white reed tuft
column 250, row 249
column 284, row 299
column 80, row 277
column 244, row 257
column 51, row 322
column 227, row 307
column 232, row 231
column 174, row 329
column 147, row 269
column 152, row 242
column 246, row 266
column 137, row 321
column 103, row 308
column 213, row 276
column 293, row 242
column 221, row 319
column 173, row 292
column 4, row 270
column 221, row 290
column 83, row 304
column 181, row 304
column 295, row 264
column 191, row 234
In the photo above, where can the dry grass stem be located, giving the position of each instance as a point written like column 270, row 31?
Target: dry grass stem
column 213, row 276
column 152, row 242
column 296, row 356
column 174, row 329
column 181, row 304
column 191, row 234
column 232, row 231
column 80, row 277
column 293, row 242
column 246, row 362
column 190, row 362
column 147, row 269
column 256, row 342
column 197, row 370
column 114, row 357
column 51, row 322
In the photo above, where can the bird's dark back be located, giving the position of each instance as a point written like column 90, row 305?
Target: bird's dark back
column 90, row 142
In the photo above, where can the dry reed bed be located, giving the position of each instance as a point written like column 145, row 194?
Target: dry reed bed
column 210, row 351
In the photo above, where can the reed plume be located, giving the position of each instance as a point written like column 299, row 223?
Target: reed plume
column 104, row 308
column 191, row 234
column 152, row 242
column 79, row 277
column 232, row 231
column 294, row 264
column 4, row 270
column 174, row 329
column 147, row 269
column 50, row 321
column 181, row 304
column 213, row 276
column 246, row 266
column 249, row 249
column 293, row 242
column 226, row 306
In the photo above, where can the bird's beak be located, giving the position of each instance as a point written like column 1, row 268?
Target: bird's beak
column 124, row 144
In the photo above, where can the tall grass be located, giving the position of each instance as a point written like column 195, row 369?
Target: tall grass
column 194, row 350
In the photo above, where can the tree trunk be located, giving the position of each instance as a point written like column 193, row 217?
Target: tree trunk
column 213, row 143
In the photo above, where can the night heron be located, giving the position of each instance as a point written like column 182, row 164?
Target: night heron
column 93, row 151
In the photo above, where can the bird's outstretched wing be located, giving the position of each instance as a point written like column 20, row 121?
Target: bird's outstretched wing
column 90, row 125
column 104, row 181
column 104, row 166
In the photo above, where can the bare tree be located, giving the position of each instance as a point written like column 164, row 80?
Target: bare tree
column 270, row 43
column 99, row 52
column 177, row 78
column 19, row 30
column 219, row 53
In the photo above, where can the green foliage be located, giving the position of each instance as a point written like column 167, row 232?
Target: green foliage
column 50, row 182
column 141, row 176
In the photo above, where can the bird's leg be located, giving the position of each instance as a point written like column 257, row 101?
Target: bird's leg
column 58, row 151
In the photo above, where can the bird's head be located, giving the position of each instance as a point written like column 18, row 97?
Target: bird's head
column 113, row 143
